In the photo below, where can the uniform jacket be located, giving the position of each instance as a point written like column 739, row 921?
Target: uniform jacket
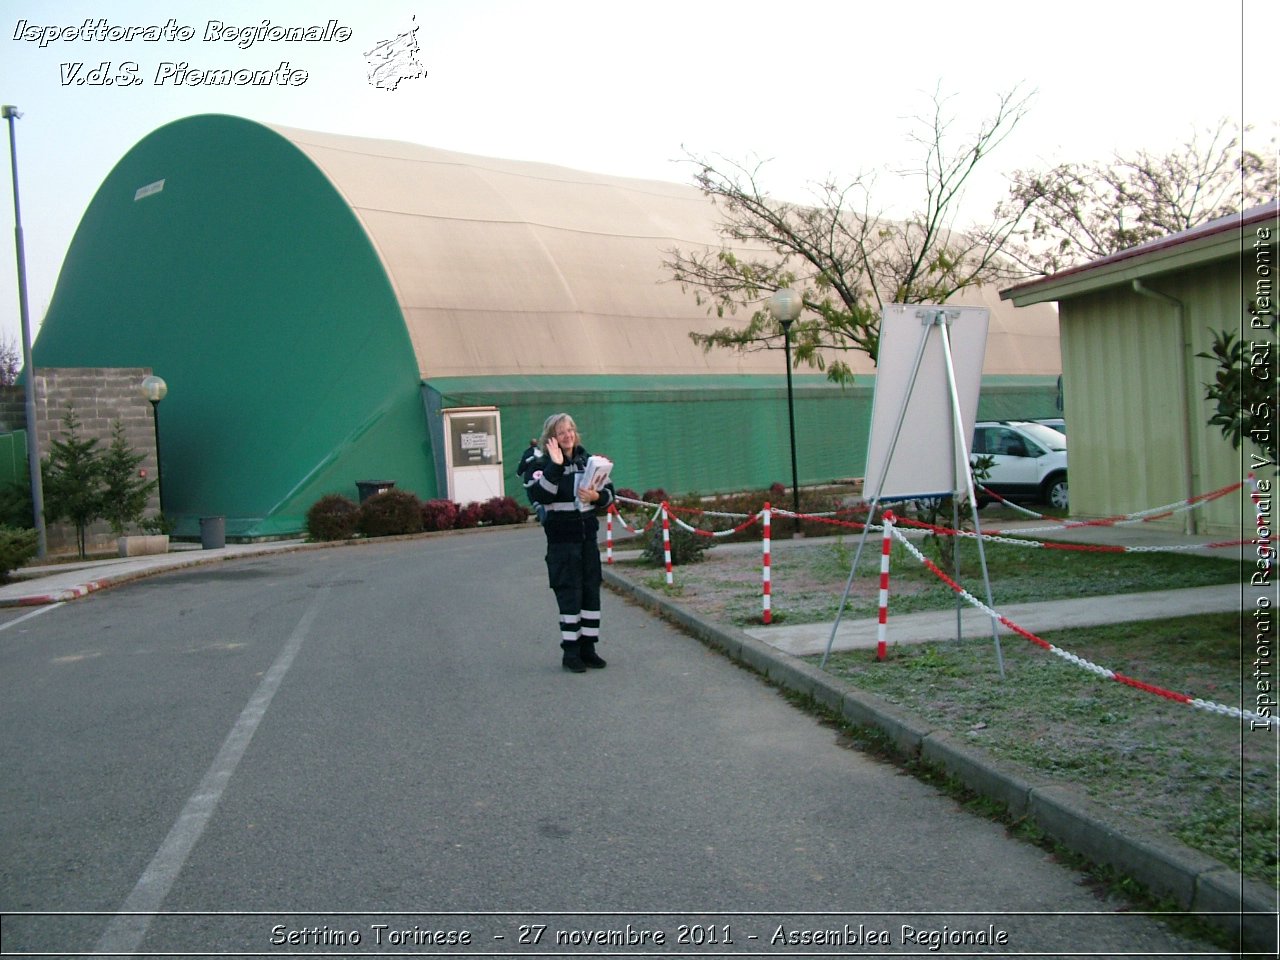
column 552, row 484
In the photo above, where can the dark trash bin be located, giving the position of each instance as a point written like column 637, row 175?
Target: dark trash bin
column 213, row 533
column 368, row 488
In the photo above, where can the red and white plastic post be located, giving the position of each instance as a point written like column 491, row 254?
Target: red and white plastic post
column 608, row 534
column 767, row 596
column 666, row 541
column 881, row 627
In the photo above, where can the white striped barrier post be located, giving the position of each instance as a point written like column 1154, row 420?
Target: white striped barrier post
column 666, row 541
column 608, row 534
column 767, row 514
column 886, row 544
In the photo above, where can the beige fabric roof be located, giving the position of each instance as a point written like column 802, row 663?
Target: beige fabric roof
column 507, row 267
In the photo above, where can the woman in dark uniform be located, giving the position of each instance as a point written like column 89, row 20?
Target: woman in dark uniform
column 571, row 525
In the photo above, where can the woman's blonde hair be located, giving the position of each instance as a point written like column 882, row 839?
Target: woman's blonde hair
column 552, row 424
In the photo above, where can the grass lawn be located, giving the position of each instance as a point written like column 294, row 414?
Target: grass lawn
column 1197, row 776
column 1201, row 777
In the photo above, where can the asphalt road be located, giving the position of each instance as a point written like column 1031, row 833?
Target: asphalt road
column 289, row 754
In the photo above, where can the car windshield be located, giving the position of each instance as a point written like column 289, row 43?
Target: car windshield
column 1045, row 436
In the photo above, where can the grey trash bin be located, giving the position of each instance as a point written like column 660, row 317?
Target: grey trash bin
column 213, row 533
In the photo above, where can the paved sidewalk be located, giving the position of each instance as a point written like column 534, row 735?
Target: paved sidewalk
column 811, row 638
column 60, row 582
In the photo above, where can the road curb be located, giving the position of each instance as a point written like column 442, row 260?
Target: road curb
column 1195, row 882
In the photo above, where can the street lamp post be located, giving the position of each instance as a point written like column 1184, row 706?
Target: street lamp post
column 154, row 388
column 785, row 306
column 11, row 113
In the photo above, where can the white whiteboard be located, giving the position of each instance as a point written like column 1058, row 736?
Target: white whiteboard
column 922, row 461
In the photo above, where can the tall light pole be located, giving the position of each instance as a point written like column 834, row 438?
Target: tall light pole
column 784, row 306
column 154, row 388
column 11, row 113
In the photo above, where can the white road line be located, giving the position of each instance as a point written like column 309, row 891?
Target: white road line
column 27, row 616
column 130, row 924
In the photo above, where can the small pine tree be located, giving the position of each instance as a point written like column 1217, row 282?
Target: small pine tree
column 124, row 492
column 73, row 479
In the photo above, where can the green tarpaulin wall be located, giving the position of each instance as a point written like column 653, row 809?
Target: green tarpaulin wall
column 218, row 255
column 710, row 434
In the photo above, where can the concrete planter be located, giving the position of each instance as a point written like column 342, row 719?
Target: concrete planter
column 142, row 545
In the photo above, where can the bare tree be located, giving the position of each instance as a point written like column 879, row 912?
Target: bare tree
column 846, row 260
column 1076, row 212
column 10, row 361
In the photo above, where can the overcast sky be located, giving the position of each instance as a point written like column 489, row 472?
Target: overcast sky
column 816, row 88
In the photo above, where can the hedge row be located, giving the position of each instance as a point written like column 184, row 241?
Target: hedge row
column 395, row 512
column 17, row 546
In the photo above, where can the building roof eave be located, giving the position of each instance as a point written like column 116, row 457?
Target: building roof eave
column 1211, row 241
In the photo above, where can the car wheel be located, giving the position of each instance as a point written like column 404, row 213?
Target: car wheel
column 1055, row 491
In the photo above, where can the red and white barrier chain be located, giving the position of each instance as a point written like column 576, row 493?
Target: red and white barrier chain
column 890, row 532
column 1130, row 519
column 1142, row 516
column 634, row 531
column 1094, row 668
column 667, row 514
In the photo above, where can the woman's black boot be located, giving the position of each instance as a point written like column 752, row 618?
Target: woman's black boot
column 572, row 659
column 587, row 654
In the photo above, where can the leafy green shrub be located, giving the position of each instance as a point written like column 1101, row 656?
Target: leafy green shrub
column 16, row 548
column 686, row 547
column 391, row 513
column 333, row 517
column 158, row 524
column 439, row 515
column 15, row 505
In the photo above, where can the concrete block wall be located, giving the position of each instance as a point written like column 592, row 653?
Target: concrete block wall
column 100, row 396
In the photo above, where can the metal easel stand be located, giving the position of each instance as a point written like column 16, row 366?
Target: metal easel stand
column 931, row 320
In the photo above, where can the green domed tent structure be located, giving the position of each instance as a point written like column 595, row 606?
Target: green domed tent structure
column 328, row 310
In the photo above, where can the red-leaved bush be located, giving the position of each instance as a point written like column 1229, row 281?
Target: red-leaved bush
column 335, row 517
column 439, row 515
column 502, row 510
column 469, row 516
